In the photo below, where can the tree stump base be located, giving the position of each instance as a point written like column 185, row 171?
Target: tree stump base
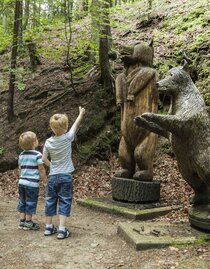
column 199, row 217
column 130, row 190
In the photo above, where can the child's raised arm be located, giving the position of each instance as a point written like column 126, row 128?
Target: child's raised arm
column 78, row 120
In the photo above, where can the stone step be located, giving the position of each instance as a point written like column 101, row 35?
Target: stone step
column 124, row 209
column 147, row 235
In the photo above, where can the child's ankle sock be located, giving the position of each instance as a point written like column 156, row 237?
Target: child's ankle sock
column 49, row 225
column 62, row 228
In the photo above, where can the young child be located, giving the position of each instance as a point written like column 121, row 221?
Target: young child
column 60, row 182
column 31, row 170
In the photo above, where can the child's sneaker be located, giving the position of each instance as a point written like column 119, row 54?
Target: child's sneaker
column 63, row 234
column 21, row 224
column 50, row 230
column 30, row 225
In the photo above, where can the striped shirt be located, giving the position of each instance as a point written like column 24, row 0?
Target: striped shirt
column 59, row 149
column 29, row 173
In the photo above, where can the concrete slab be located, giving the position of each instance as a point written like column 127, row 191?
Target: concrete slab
column 132, row 211
column 146, row 235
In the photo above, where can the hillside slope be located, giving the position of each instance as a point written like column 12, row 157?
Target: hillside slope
column 174, row 26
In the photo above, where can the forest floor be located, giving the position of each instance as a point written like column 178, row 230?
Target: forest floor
column 94, row 242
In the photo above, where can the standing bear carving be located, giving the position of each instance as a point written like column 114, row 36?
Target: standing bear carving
column 136, row 93
column 188, row 127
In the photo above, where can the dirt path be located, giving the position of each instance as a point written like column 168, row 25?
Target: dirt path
column 94, row 244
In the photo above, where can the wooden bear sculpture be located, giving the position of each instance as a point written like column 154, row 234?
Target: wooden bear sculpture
column 188, row 127
column 136, row 93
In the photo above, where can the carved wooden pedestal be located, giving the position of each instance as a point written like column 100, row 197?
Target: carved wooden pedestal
column 130, row 190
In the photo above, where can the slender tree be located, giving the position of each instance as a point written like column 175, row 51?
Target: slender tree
column 149, row 4
column 85, row 6
column 104, row 47
column 26, row 14
column 34, row 14
column 95, row 26
column 68, row 22
column 20, row 26
column 10, row 106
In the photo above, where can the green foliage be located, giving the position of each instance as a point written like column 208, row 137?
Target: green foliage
column 162, row 69
column 5, row 39
column 20, row 80
column 200, row 39
column 191, row 21
column 2, row 151
column 207, row 99
column 54, row 53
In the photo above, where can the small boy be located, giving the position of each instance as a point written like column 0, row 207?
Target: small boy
column 31, row 170
column 60, row 182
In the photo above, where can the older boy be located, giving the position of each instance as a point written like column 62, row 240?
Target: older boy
column 31, row 170
column 60, row 185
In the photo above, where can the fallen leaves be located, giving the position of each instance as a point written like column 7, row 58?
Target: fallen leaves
column 95, row 181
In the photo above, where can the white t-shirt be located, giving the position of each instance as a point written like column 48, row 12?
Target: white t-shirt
column 59, row 149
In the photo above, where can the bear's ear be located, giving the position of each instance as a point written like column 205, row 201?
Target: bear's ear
column 185, row 66
column 170, row 66
column 151, row 43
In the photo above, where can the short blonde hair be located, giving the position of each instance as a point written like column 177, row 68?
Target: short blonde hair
column 27, row 140
column 59, row 123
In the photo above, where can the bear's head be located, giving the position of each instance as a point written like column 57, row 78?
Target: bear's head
column 176, row 81
column 142, row 54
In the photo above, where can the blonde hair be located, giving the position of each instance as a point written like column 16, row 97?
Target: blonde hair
column 27, row 140
column 59, row 123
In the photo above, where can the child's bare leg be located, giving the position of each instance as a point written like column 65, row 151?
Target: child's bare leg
column 62, row 220
column 22, row 216
column 48, row 220
column 28, row 217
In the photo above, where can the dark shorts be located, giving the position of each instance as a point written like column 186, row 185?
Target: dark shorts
column 28, row 198
column 59, row 192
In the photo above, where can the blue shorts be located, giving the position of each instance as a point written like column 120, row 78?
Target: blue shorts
column 28, row 198
column 59, row 191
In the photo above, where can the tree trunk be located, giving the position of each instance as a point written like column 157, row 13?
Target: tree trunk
column 85, row 6
column 34, row 58
column 149, row 4
column 10, row 106
column 20, row 34
column 95, row 26
column 68, row 22
column 104, row 47
column 34, row 19
column 26, row 14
